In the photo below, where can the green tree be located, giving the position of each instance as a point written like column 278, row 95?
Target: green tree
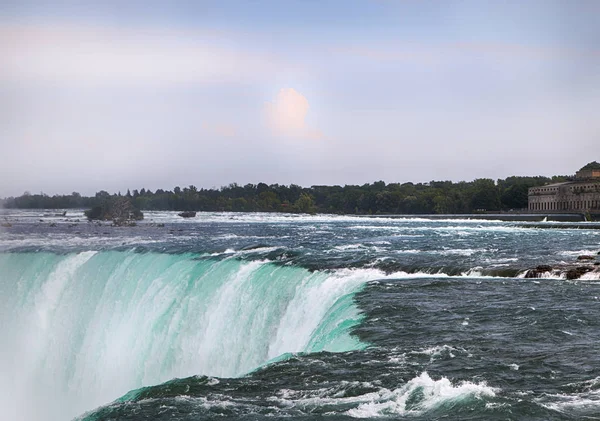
column 305, row 204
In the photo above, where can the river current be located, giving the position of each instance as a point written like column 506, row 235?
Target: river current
column 273, row 316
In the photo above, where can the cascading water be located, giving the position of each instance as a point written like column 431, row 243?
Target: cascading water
column 223, row 318
column 81, row 329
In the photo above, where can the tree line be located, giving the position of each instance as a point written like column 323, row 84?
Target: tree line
column 435, row 197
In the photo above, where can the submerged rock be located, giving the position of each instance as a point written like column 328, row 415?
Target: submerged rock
column 187, row 214
column 586, row 257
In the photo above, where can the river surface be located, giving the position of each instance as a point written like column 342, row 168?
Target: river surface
column 269, row 316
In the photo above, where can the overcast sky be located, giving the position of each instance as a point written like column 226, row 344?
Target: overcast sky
column 115, row 94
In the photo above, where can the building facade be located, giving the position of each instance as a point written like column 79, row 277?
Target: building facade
column 581, row 195
column 588, row 174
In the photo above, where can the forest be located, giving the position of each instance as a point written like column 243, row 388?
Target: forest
column 435, row 197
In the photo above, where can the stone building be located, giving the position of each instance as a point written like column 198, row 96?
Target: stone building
column 588, row 173
column 580, row 195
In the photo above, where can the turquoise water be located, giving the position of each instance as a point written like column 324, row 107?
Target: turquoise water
column 87, row 324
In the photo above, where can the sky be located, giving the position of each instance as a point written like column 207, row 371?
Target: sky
column 114, row 95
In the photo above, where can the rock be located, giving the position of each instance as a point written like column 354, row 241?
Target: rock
column 576, row 273
column 586, row 257
column 538, row 271
column 161, row 225
column 187, row 214
column 6, row 224
column 570, row 272
column 53, row 224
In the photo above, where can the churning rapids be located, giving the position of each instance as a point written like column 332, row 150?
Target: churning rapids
column 266, row 316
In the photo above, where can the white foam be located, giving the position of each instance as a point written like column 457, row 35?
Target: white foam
column 570, row 403
column 62, row 240
column 350, row 247
column 591, row 276
column 441, row 351
column 587, row 252
column 433, row 393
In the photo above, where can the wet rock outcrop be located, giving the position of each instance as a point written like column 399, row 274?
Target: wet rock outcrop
column 584, row 264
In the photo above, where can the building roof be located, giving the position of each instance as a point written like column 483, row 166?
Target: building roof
column 567, row 183
column 556, row 184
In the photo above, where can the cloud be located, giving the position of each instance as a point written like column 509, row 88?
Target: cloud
column 434, row 53
column 286, row 115
column 76, row 54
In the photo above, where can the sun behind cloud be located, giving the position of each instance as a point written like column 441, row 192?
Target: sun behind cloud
column 286, row 115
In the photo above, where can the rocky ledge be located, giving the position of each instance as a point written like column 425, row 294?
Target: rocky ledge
column 584, row 264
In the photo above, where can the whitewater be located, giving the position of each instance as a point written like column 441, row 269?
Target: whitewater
column 252, row 316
